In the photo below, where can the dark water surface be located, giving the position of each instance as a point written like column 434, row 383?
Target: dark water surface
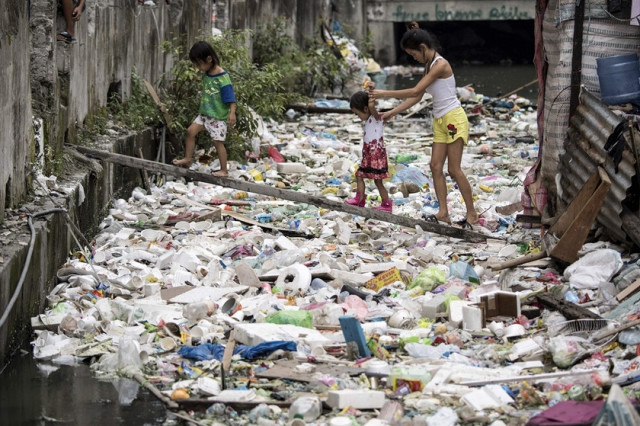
column 69, row 395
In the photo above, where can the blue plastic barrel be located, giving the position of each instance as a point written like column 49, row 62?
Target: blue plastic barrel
column 619, row 78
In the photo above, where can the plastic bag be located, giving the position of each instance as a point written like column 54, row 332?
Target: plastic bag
column 594, row 268
column 428, row 279
column 300, row 318
column 618, row 410
column 411, row 174
column 567, row 350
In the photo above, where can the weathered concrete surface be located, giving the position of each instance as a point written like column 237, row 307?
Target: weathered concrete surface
column 15, row 103
column 60, row 85
column 304, row 15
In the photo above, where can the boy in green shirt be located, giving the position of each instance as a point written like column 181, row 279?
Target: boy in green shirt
column 217, row 107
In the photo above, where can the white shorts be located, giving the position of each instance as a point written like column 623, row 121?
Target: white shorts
column 217, row 128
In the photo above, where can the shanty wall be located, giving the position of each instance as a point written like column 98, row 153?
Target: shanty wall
column 602, row 37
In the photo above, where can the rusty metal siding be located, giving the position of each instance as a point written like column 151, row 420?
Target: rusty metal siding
column 589, row 130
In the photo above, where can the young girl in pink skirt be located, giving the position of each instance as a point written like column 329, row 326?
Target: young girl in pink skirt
column 374, row 154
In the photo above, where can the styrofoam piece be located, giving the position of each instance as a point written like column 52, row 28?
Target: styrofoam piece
column 291, row 168
column 356, row 398
column 206, row 293
column 488, row 397
column 342, row 231
column 186, row 260
column 285, row 244
column 351, row 278
column 432, row 307
column 381, row 266
column 525, row 348
column 208, row 385
column 255, row 333
column 246, row 275
column 472, row 318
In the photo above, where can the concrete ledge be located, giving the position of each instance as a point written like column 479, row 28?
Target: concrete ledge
column 53, row 238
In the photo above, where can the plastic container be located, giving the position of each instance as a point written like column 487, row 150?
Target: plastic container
column 309, row 407
column 619, row 78
column 414, row 377
column 198, row 310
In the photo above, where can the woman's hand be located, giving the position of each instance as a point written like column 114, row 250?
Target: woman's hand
column 388, row 115
column 375, row 94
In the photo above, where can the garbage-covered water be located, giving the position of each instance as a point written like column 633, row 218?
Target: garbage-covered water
column 179, row 267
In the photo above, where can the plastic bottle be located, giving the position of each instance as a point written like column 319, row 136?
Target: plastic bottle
column 309, row 407
column 577, row 393
column 405, row 158
column 415, row 377
column 318, row 283
column 198, row 310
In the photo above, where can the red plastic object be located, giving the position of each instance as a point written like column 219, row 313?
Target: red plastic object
column 275, row 154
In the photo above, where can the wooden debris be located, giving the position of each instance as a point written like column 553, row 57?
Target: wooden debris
column 571, row 311
column 635, row 286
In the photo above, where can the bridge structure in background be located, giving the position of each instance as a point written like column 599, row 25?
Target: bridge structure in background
column 385, row 19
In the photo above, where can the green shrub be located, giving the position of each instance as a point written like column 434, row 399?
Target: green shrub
column 306, row 71
column 257, row 88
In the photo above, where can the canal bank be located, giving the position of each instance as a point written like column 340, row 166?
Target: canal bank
column 82, row 193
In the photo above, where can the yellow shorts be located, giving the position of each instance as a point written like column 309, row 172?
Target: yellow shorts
column 451, row 126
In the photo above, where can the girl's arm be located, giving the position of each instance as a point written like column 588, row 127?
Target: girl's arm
column 372, row 102
column 441, row 69
column 402, row 107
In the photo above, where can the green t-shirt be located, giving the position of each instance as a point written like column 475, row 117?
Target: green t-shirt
column 217, row 94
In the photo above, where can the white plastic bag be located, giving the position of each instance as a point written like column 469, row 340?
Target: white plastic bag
column 594, row 268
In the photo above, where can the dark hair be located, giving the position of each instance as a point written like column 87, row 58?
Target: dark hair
column 412, row 39
column 359, row 100
column 201, row 51
column 412, row 25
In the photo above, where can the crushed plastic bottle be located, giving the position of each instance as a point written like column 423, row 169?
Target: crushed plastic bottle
column 309, row 407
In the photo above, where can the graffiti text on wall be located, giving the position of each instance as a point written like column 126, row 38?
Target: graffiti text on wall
column 438, row 12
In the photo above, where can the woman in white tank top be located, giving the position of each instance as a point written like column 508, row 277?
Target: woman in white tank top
column 450, row 124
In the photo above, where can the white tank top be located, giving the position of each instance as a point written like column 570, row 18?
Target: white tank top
column 444, row 94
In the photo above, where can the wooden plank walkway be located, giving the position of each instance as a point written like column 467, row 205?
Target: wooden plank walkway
column 299, row 197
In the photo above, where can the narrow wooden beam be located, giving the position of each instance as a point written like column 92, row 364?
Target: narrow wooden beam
column 299, row 197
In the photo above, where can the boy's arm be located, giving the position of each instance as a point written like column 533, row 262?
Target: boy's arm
column 232, row 114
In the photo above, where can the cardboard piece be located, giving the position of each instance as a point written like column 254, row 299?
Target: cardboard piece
column 389, row 276
column 500, row 304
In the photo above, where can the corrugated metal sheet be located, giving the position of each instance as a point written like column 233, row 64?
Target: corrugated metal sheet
column 590, row 127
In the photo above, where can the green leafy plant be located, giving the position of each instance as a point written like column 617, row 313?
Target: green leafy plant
column 313, row 68
column 257, row 89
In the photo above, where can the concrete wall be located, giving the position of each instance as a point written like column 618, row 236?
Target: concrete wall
column 305, row 15
column 61, row 85
column 15, row 102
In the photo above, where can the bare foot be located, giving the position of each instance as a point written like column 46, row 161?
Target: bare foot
column 183, row 162
column 220, row 173
column 472, row 218
column 443, row 218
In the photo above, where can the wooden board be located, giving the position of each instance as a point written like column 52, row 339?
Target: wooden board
column 317, row 200
column 286, row 369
